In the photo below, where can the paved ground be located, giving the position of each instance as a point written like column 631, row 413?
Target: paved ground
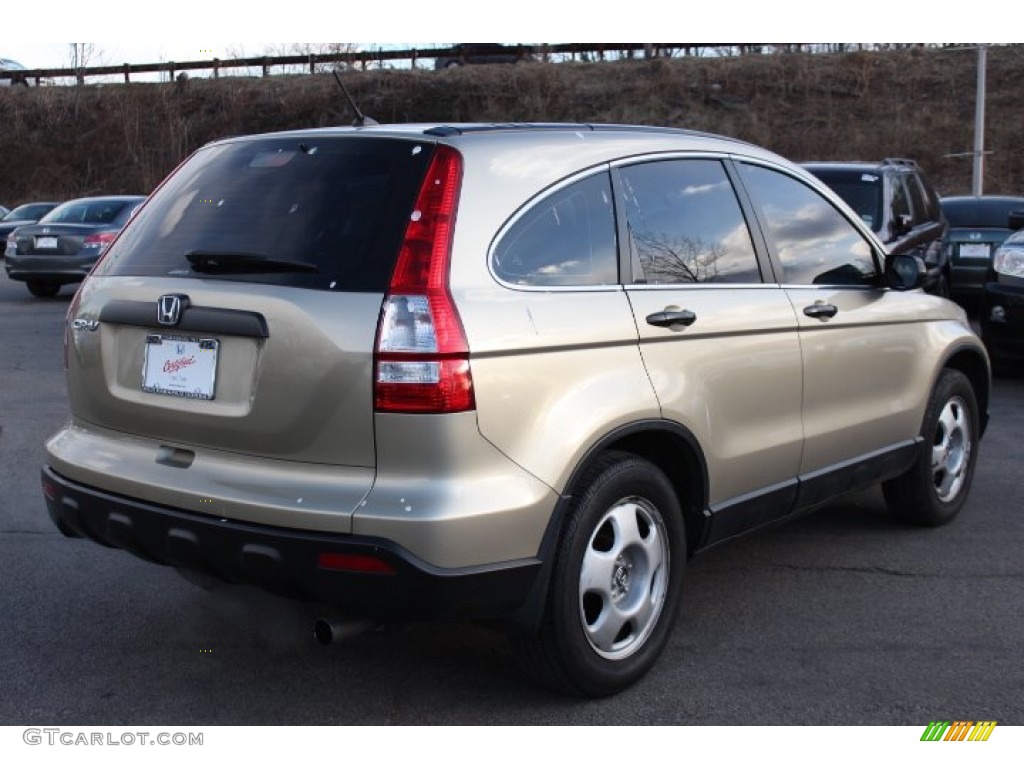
column 843, row 617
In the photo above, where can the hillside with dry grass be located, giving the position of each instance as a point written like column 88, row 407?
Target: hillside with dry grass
column 60, row 142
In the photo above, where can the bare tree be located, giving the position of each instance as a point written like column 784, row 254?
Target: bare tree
column 678, row 260
column 81, row 55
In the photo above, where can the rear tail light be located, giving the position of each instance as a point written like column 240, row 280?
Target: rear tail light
column 101, row 240
column 422, row 359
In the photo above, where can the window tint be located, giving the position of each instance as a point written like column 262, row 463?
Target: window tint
column 900, row 201
column 917, row 201
column 89, row 212
column 341, row 204
column 29, row 211
column 686, row 225
column 568, row 238
column 861, row 191
column 931, row 198
column 813, row 241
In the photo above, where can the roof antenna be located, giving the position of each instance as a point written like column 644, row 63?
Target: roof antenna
column 361, row 119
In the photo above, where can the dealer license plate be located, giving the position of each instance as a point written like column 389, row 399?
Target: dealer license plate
column 974, row 250
column 184, row 366
column 46, row 242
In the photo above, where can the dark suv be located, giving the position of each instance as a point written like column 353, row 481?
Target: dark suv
column 895, row 199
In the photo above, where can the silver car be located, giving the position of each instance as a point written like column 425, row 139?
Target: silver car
column 515, row 372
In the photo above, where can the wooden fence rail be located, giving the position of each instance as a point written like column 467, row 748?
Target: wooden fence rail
column 367, row 59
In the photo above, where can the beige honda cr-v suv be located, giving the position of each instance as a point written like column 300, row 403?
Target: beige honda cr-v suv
column 505, row 371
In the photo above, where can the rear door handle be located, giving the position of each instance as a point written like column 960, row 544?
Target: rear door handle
column 821, row 310
column 667, row 319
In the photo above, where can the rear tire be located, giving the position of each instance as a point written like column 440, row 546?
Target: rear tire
column 615, row 588
column 44, row 289
column 933, row 491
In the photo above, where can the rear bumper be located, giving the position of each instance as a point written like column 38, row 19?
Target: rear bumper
column 290, row 562
column 967, row 279
column 57, row 269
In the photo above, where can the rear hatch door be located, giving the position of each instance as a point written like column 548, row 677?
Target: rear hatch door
column 238, row 310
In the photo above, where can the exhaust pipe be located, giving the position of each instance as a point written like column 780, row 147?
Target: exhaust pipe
column 334, row 629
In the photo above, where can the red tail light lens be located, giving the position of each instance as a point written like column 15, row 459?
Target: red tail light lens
column 422, row 358
column 101, row 240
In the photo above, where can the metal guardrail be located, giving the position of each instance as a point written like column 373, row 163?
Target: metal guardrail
column 369, row 58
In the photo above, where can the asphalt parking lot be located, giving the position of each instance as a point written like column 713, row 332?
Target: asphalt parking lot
column 843, row 617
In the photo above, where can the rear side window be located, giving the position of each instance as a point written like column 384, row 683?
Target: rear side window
column 686, row 225
column 336, row 206
column 917, row 201
column 900, row 199
column 565, row 239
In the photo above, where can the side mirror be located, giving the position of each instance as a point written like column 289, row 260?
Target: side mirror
column 905, row 273
column 1016, row 220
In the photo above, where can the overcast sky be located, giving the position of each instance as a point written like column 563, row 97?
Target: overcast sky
column 134, row 24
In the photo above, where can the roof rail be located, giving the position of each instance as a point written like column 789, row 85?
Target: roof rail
column 900, row 161
column 458, row 130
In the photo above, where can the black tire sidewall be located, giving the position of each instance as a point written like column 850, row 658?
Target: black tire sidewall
column 617, row 478
column 913, row 497
column 43, row 289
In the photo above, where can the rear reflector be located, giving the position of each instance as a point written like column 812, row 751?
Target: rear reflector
column 336, row 561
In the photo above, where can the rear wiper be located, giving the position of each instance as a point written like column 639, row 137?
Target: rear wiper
column 225, row 262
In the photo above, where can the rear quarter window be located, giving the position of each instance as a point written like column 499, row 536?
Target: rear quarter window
column 565, row 239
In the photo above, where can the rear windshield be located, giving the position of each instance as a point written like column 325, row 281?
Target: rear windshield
column 89, row 212
column 994, row 213
column 335, row 206
column 860, row 191
column 29, row 211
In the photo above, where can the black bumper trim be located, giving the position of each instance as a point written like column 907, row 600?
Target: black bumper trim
column 284, row 561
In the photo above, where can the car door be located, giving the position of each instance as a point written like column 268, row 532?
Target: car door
column 862, row 357
column 719, row 342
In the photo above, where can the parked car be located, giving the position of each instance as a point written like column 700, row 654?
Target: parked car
column 64, row 244
column 1002, row 301
column 29, row 213
column 977, row 227
column 12, row 73
column 895, row 199
column 4, row 210
column 483, row 53
column 509, row 372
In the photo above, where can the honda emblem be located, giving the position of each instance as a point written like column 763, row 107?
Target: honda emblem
column 169, row 308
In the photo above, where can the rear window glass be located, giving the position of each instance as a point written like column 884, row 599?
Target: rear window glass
column 335, row 207
column 87, row 212
column 981, row 212
column 566, row 239
column 860, row 191
column 29, row 211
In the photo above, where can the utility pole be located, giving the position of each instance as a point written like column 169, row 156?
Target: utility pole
column 978, row 179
